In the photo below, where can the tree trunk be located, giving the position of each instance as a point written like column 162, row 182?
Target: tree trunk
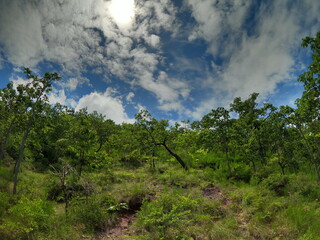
column 254, row 166
column 153, row 162
column 282, row 166
column 100, row 146
column 176, row 156
column 228, row 160
column 261, row 151
column 21, row 155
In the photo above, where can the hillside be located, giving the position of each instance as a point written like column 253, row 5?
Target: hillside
column 250, row 171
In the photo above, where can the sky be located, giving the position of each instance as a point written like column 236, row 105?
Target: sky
column 176, row 58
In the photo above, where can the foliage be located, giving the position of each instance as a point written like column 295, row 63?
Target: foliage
column 26, row 217
column 93, row 212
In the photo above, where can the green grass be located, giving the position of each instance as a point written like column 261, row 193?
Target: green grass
column 173, row 207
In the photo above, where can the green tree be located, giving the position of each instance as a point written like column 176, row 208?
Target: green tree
column 218, row 123
column 250, row 134
column 158, row 133
column 307, row 116
column 35, row 101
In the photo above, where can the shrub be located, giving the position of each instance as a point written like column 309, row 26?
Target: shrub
column 177, row 216
column 276, row 183
column 242, row 173
column 305, row 186
column 5, row 178
column 92, row 213
column 4, row 202
column 161, row 216
column 27, row 217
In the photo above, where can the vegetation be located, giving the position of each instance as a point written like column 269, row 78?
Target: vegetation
column 68, row 174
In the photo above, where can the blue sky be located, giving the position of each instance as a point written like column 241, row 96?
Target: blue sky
column 177, row 58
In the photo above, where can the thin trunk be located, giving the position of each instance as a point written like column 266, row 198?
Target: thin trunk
column 254, row 166
column 261, row 151
column 66, row 201
column 282, row 166
column 81, row 165
column 100, row 146
column 153, row 162
column 228, row 160
column 21, row 155
column 176, row 156
column 23, row 142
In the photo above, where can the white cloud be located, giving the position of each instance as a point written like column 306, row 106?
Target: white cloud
column 129, row 97
column 73, row 83
column 78, row 33
column 16, row 80
column 59, row 96
column 215, row 19
column 20, row 33
column 106, row 104
column 153, row 40
column 254, row 62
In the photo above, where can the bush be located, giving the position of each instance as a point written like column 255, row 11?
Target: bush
column 177, row 216
column 161, row 216
column 5, row 178
column 276, row 183
column 242, row 173
column 305, row 186
column 92, row 213
column 4, row 203
column 26, row 217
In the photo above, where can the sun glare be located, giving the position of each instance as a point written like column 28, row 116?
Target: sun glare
column 122, row 11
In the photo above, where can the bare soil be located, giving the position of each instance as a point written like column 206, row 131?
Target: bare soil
column 121, row 230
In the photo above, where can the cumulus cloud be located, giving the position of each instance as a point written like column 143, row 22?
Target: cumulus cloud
column 78, row 35
column 129, row 97
column 81, row 36
column 59, row 96
column 105, row 103
column 255, row 59
column 16, row 81
column 20, row 33
column 73, row 83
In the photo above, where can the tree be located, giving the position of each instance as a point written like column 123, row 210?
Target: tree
column 307, row 116
column 103, row 128
column 249, row 132
column 218, row 123
column 81, row 139
column 34, row 95
column 157, row 133
column 13, row 108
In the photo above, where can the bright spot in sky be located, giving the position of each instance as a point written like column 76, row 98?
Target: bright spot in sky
column 122, row 11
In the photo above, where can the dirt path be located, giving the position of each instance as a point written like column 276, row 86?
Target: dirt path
column 121, row 229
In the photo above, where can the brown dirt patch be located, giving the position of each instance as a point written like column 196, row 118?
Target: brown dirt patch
column 214, row 193
column 121, row 230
